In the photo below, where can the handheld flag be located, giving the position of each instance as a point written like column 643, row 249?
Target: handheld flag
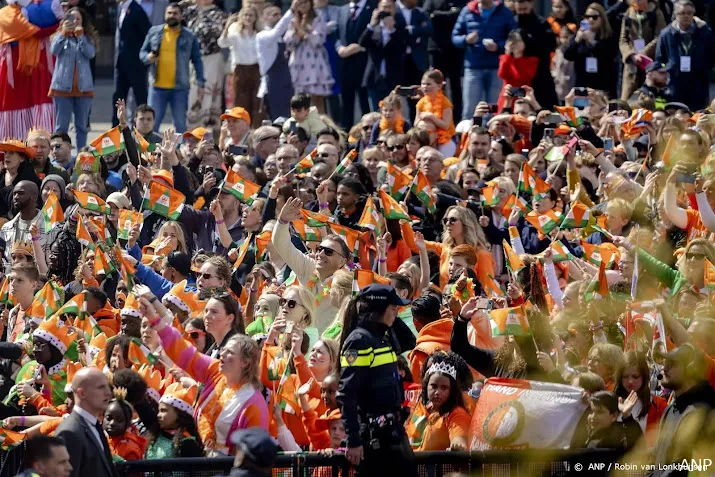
column 605, row 253
column 351, row 237
column 315, row 219
column 513, row 262
column 90, row 201
column 490, row 195
column 306, row 232
column 531, row 183
column 391, row 209
column 165, row 201
column 87, row 163
column 560, row 253
column 398, row 181
column 636, row 123
column 242, row 250
column 346, row 162
column 364, row 278
column 52, row 212
column 306, row 164
column 568, row 114
column 127, row 220
column 544, row 223
column 262, row 241
column 82, row 233
column 140, row 355
column 518, row 203
column 371, row 217
column 126, row 269
column 577, row 216
column 242, row 189
column 143, row 144
column 109, row 142
column 509, row 321
column 5, row 297
column 598, row 287
column 102, row 263
column 421, row 188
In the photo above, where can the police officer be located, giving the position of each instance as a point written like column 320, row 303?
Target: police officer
column 370, row 392
column 655, row 86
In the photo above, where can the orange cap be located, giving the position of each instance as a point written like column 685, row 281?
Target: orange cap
column 237, row 113
column 164, row 175
column 197, row 133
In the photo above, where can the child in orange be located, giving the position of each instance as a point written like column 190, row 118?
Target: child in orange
column 124, row 441
column 436, row 108
column 447, row 425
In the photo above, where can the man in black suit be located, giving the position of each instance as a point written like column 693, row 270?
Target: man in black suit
column 129, row 71
column 419, row 30
column 352, row 21
column 83, row 434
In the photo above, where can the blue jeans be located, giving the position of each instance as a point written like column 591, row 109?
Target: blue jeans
column 80, row 106
column 160, row 98
column 479, row 85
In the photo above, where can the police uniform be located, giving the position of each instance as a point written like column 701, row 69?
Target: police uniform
column 370, row 395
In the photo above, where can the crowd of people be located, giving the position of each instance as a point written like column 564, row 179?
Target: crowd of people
column 282, row 276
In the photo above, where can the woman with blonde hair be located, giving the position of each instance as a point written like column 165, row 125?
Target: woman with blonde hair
column 170, row 237
column 230, row 398
column 239, row 36
column 460, row 227
column 340, row 292
column 495, row 225
column 605, row 359
column 592, row 50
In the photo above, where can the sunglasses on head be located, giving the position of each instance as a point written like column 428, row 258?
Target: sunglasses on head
column 327, row 251
column 450, row 220
column 288, row 303
column 194, row 335
column 395, row 147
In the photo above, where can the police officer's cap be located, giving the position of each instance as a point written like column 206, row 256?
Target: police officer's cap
column 381, row 295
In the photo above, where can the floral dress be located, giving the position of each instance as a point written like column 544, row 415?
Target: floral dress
column 309, row 65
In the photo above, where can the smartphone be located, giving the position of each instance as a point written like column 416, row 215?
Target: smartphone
column 515, row 92
column 525, row 153
column 553, row 118
column 549, row 133
column 613, row 106
column 382, row 15
column 406, row 91
column 580, row 91
column 493, row 108
column 289, row 327
column 607, row 143
column 687, row 178
column 293, row 126
column 581, row 102
column 238, row 150
column 485, row 303
column 71, row 19
column 203, row 170
column 209, row 136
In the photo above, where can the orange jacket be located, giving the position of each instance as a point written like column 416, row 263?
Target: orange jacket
column 433, row 337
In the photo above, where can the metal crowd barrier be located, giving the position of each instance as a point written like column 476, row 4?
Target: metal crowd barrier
column 516, row 463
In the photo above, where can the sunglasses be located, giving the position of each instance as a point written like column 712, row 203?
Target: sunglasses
column 288, row 303
column 592, row 17
column 450, row 220
column 324, row 155
column 395, row 147
column 57, row 146
column 327, row 251
column 194, row 335
column 381, row 143
column 205, row 276
column 367, row 128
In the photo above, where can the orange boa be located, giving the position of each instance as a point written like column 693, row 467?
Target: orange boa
column 398, row 127
column 437, row 106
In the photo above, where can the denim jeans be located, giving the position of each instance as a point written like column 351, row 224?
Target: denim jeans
column 479, row 85
column 80, row 106
column 160, row 98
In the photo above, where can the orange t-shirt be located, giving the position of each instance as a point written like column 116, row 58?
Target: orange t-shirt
column 441, row 429
column 695, row 227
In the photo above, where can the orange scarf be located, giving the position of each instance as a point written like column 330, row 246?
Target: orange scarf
column 398, row 127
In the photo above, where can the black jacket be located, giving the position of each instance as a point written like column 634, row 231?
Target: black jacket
column 443, row 14
column 370, row 382
column 604, row 52
column 540, row 41
column 392, row 53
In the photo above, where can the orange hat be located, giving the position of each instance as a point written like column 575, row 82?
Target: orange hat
column 23, row 247
column 13, row 145
column 131, row 307
column 323, row 421
column 237, row 113
column 163, row 175
column 71, row 369
column 179, row 296
column 157, row 251
column 197, row 133
column 54, row 331
column 152, row 377
column 180, row 398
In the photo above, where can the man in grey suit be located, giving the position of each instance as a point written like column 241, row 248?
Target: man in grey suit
column 83, row 434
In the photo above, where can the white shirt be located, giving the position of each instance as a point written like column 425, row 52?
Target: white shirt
column 267, row 48
column 91, row 420
column 360, row 6
column 242, row 46
column 124, row 6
